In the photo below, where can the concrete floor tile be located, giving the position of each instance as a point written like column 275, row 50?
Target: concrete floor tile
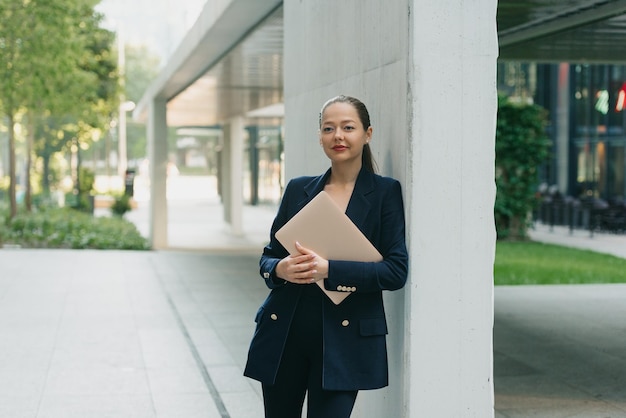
column 187, row 406
column 25, row 358
column 179, row 380
column 89, row 406
column 19, row 383
column 96, row 381
column 203, row 335
column 228, row 379
column 165, row 348
column 215, row 355
column 22, row 406
column 78, row 357
column 246, row 404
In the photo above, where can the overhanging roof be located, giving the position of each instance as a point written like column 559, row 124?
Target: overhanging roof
column 583, row 31
column 231, row 62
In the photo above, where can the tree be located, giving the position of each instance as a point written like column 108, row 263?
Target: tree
column 521, row 147
column 54, row 63
column 13, row 73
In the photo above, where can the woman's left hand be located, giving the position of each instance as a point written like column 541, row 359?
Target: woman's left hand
column 322, row 264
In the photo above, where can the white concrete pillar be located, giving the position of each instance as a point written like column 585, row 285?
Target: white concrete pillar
column 427, row 72
column 452, row 192
column 157, row 155
column 235, row 204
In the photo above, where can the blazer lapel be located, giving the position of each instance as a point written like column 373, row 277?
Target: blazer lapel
column 313, row 187
column 359, row 205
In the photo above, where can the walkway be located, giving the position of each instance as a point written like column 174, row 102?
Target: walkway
column 126, row 334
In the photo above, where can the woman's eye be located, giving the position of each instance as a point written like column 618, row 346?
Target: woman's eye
column 327, row 129
column 348, row 128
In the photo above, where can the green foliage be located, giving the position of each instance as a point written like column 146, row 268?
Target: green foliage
column 519, row 263
column 142, row 67
column 86, row 180
column 56, row 64
column 121, row 205
column 67, row 228
column 82, row 198
column 521, row 147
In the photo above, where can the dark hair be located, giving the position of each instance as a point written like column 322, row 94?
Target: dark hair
column 367, row 158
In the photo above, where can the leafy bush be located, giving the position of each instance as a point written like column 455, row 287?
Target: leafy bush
column 81, row 198
column 521, row 146
column 68, row 228
column 121, row 205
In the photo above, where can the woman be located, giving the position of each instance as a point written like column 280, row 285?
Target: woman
column 304, row 344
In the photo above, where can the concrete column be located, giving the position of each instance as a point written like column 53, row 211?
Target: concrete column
column 157, row 155
column 452, row 192
column 427, row 72
column 232, row 186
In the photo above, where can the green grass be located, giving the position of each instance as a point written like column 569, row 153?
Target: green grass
column 519, row 263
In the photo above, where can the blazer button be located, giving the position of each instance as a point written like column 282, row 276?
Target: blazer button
column 274, row 316
column 266, row 275
column 353, row 288
column 345, row 322
column 339, row 288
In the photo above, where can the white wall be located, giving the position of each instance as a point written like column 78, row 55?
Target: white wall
column 426, row 71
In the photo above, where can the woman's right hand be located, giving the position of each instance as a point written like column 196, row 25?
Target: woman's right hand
column 298, row 269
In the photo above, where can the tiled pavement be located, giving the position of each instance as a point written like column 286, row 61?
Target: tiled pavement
column 126, row 334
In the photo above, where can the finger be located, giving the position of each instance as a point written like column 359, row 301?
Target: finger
column 304, row 276
column 303, row 250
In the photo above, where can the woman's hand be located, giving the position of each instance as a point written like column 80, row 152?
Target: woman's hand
column 305, row 268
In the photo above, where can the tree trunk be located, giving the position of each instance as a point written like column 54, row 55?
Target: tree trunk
column 12, row 168
column 45, row 181
column 30, row 140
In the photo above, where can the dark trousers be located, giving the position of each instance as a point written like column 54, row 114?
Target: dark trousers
column 300, row 371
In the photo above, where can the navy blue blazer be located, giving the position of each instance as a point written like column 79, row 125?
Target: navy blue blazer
column 354, row 332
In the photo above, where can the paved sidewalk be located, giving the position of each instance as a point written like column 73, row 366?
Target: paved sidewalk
column 614, row 244
column 127, row 334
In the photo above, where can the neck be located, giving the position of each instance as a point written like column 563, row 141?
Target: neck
column 344, row 175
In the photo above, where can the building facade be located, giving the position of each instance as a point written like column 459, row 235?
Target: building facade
column 587, row 123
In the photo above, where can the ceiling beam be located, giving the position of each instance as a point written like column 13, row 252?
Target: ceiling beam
column 566, row 20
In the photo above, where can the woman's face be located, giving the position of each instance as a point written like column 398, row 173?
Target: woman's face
column 342, row 134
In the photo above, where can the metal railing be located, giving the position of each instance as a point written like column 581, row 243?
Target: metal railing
column 591, row 214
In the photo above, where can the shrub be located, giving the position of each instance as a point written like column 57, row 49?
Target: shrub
column 67, row 228
column 521, row 146
column 120, row 205
column 81, row 198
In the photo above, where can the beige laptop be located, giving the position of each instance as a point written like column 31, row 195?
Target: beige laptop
column 324, row 228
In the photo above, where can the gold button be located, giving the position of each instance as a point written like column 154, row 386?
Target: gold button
column 274, row 316
column 345, row 322
column 353, row 288
column 339, row 288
